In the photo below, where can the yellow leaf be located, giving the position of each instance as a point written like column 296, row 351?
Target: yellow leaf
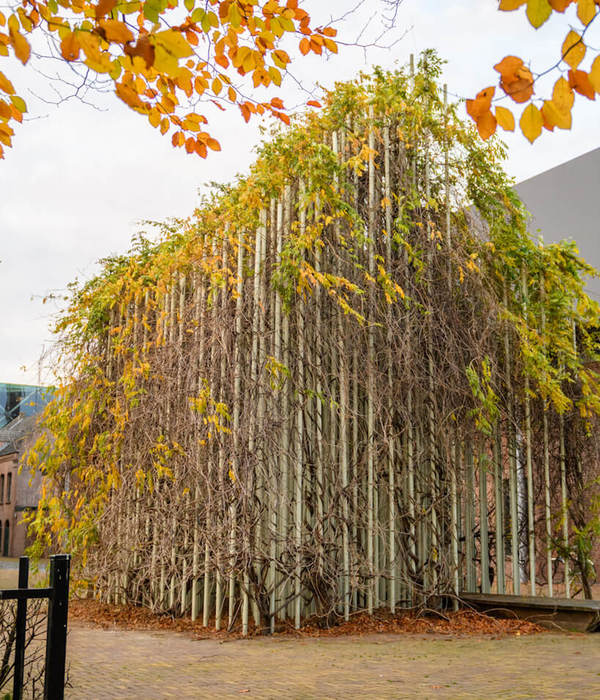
column 586, row 11
column 538, row 12
column 595, row 74
column 573, row 49
column 90, row 43
column 562, row 96
column 555, row 117
column 509, row 5
column 173, row 42
column 5, row 85
column 101, row 63
column 165, row 62
column 331, row 45
column 531, row 122
column 505, row 118
column 217, row 86
column 154, row 117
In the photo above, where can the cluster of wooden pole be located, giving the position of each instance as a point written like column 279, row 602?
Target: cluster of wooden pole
column 304, row 461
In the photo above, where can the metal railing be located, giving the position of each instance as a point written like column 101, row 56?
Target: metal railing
column 56, row 635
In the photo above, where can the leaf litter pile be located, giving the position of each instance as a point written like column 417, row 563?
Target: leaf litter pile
column 463, row 623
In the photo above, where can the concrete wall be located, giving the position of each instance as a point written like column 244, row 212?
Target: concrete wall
column 565, row 203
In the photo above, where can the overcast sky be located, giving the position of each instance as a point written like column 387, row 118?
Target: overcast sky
column 79, row 180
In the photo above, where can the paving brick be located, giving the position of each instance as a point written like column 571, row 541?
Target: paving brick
column 131, row 664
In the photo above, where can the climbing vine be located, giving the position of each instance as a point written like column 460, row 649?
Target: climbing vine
column 281, row 405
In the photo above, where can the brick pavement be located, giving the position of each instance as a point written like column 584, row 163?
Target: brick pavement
column 132, row 664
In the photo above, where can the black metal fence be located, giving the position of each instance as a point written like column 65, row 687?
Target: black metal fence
column 56, row 636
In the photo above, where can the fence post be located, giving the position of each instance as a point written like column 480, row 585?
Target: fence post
column 20, row 624
column 56, row 638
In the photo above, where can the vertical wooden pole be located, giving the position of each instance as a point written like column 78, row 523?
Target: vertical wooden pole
column 299, row 496
column 547, row 510
column 564, row 503
column 483, row 526
column 526, row 400
column 499, row 507
column 512, row 456
column 393, row 571
column 373, row 579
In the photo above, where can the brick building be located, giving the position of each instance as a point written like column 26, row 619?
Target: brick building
column 19, row 491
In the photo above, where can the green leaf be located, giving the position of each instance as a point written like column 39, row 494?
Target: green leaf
column 153, row 9
column 19, row 103
column 538, row 12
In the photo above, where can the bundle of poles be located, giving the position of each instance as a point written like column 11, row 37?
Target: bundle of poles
column 308, row 428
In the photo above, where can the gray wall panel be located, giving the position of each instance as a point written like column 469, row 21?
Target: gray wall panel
column 564, row 202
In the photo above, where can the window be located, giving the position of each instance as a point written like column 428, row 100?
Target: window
column 8, row 486
column 6, row 538
column 1, row 488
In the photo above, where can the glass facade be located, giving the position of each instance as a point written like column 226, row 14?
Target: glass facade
column 21, row 400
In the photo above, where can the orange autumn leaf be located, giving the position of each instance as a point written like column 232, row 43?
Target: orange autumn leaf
column 201, row 149
column 515, row 78
column 245, row 112
column 129, row 96
column 486, row 125
column 116, row 31
column 304, row 46
column 5, row 85
column 5, row 112
column 20, row 45
column 586, row 11
column 594, row 74
column 508, row 67
column 580, row 82
column 70, row 47
column 142, row 48
column 155, row 64
column 560, row 5
column 17, row 114
column 481, row 103
column 104, row 7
